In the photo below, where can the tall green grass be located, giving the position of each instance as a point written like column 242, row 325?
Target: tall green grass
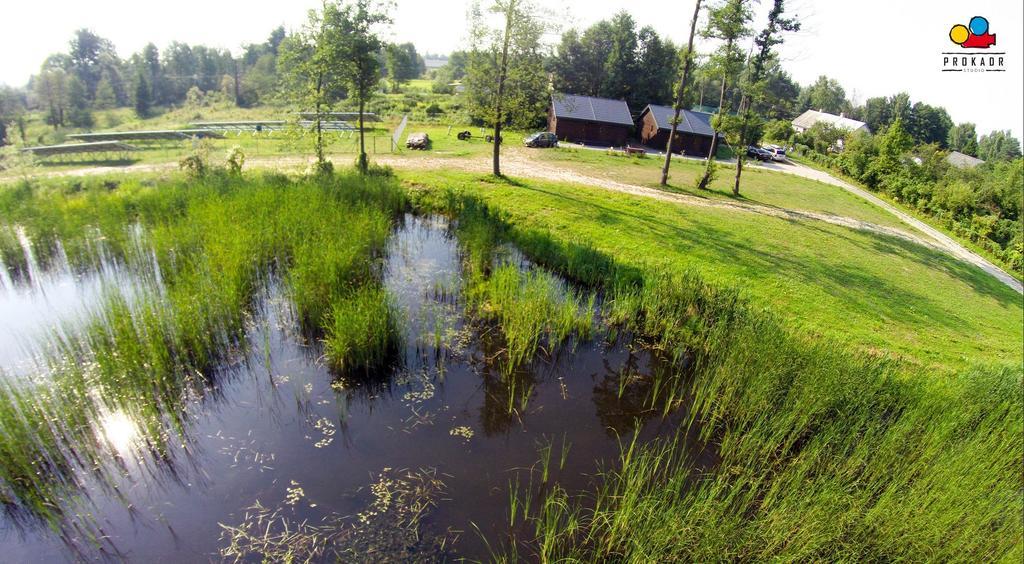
column 823, row 454
column 362, row 333
column 201, row 254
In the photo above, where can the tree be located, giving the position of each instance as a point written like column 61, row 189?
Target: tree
column 780, row 130
column 680, row 94
column 876, row 113
column 826, row 95
column 727, row 22
column 352, row 32
column 621, row 67
column 78, row 114
column 12, row 111
column 963, row 138
column 311, row 59
column 403, row 64
column 106, row 98
column 998, row 146
column 929, row 124
column 143, row 96
column 86, row 51
column 52, row 89
column 505, row 80
column 657, row 62
column 753, row 85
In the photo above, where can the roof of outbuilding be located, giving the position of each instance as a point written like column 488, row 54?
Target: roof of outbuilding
column 696, row 123
column 960, row 160
column 588, row 108
column 807, row 120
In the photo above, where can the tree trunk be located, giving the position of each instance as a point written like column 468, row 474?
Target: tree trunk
column 678, row 107
column 739, row 171
column 238, row 91
column 319, row 127
column 363, row 162
column 502, row 72
column 744, row 101
column 706, row 179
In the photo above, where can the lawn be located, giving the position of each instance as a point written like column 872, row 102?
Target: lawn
column 878, row 294
column 759, row 186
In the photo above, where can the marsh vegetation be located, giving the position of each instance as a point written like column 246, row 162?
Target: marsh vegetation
column 309, row 368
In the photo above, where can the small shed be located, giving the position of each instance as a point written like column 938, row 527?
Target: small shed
column 587, row 119
column 693, row 136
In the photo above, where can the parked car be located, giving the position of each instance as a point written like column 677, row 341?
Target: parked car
column 541, row 140
column 759, row 153
column 417, row 141
column 777, row 153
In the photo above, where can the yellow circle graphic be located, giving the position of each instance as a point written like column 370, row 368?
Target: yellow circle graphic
column 959, row 34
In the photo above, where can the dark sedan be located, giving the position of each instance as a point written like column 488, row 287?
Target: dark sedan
column 541, row 140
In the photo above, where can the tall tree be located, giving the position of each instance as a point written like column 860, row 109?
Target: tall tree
column 357, row 44
column 657, row 62
column 826, row 95
column 963, row 138
column 505, row 80
column 12, row 112
column 86, row 51
column 998, row 146
column 753, row 86
column 143, row 95
column 52, row 89
column 727, row 22
column 403, row 64
column 680, row 94
column 311, row 61
column 79, row 113
column 929, row 124
column 105, row 98
column 621, row 67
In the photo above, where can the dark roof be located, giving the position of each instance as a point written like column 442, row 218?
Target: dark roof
column 696, row 123
column 588, row 108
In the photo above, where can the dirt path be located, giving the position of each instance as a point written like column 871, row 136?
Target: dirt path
column 520, row 166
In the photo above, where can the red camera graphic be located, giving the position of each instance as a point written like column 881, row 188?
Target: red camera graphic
column 974, row 35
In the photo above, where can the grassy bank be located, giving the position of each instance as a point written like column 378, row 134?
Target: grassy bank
column 825, row 454
column 878, row 294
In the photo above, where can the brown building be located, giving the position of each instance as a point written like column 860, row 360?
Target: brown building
column 590, row 120
column 693, row 136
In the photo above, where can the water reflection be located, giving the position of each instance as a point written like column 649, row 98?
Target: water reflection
column 271, row 422
column 120, row 431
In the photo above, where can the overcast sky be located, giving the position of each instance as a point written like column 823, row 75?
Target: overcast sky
column 873, row 47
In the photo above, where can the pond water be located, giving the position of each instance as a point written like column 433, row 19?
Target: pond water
column 276, row 430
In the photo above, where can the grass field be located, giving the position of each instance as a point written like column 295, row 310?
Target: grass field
column 879, row 294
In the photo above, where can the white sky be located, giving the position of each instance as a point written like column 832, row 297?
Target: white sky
column 873, row 47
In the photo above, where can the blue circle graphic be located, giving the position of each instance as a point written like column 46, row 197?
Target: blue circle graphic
column 978, row 25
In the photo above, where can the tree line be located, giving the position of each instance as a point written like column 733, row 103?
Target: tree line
column 90, row 76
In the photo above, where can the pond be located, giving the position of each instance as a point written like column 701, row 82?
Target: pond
column 416, row 462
